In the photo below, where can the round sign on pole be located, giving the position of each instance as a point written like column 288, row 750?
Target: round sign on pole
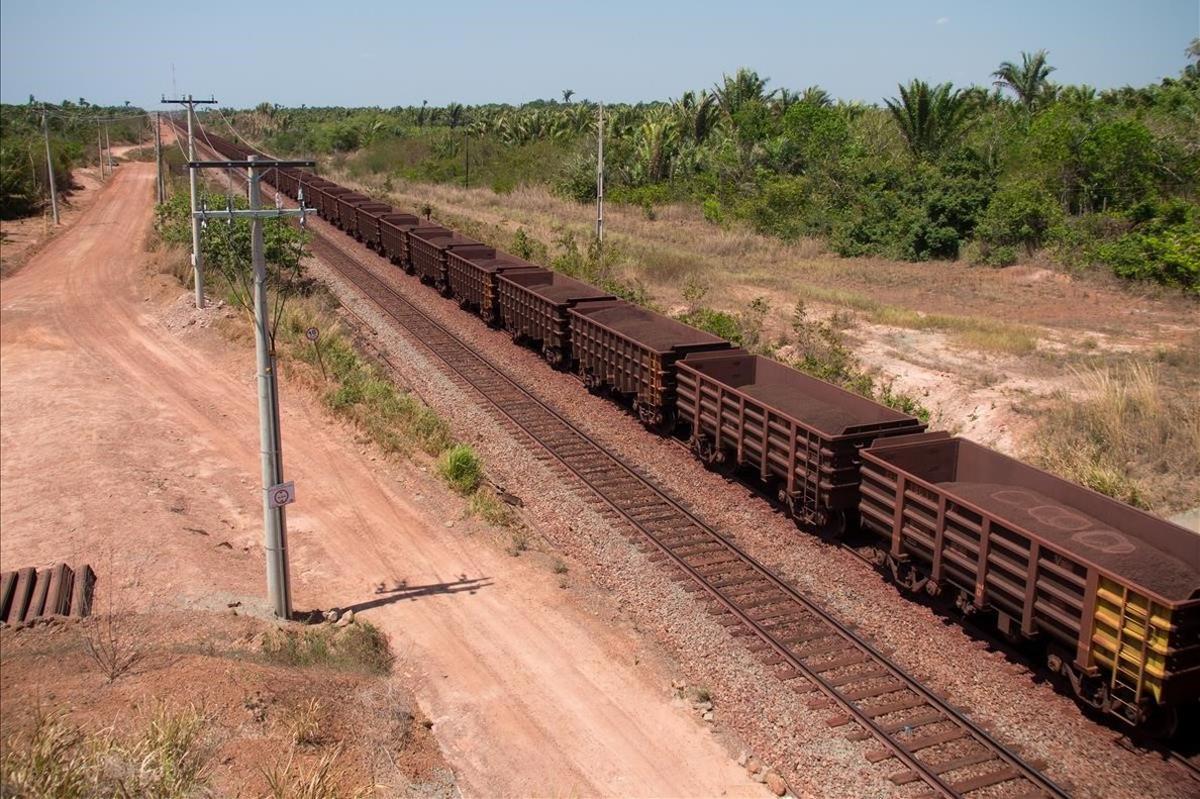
column 312, row 333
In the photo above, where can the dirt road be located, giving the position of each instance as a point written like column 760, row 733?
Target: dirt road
column 129, row 440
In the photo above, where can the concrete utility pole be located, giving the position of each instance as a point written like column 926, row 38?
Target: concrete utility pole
column 276, row 494
column 197, row 264
column 600, row 177
column 159, row 185
column 50, row 169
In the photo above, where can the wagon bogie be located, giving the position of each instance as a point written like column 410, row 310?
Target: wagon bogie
column 534, row 306
column 787, row 426
column 1113, row 592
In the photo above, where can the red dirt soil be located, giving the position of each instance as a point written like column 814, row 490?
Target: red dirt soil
column 130, row 441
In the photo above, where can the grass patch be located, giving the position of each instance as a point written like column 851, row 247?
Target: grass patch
column 989, row 335
column 461, row 468
column 169, row 758
column 489, row 507
column 1131, row 438
column 359, row 647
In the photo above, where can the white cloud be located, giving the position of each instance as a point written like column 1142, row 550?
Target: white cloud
column 941, row 20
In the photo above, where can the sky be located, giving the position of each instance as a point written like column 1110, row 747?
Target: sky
column 373, row 52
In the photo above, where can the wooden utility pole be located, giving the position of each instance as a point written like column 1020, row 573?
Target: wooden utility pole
column 100, row 148
column 108, row 148
column 50, row 169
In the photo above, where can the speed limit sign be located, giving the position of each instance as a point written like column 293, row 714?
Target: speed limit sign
column 312, row 333
column 281, row 494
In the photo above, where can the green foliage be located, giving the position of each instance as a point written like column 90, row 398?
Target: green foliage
column 929, row 117
column 461, row 468
column 919, row 176
column 1019, row 214
column 1165, row 247
column 24, row 182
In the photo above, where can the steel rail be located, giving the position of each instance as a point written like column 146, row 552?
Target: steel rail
column 726, row 570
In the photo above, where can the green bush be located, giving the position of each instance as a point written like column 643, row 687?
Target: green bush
column 461, row 468
column 1019, row 214
column 1164, row 248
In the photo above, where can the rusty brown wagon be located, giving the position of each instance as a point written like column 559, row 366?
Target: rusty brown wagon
column 474, row 279
column 428, row 246
column 630, row 351
column 534, row 307
column 1112, row 592
column 393, row 237
column 790, row 428
column 366, row 222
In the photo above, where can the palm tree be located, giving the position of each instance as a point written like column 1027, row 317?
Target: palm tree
column 1193, row 53
column 815, row 95
column 454, row 115
column 567, row 94
column 929, row 116
column 745, row 87
column 1028, row 80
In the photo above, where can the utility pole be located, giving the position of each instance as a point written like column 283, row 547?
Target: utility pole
column 600, row 177
column 108, row 148
column 160, row 187
column 197, row 264
column 467, row 148
column 50, row 168
column 276, row 494
column 100, row 148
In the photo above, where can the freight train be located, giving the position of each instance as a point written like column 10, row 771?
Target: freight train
column 1109, row 593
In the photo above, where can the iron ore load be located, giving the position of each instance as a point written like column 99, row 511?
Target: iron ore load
column 1109, row 594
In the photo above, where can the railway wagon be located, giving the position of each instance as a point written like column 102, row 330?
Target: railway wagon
column 326, row 200
column 632, row 352
column 428, row 246
column 344, row 210
column 1114, row 593
column 366, row 221
column 393, row 236
column 749, row 411
column 474, row 279
column 534, row 307
column 312, row 186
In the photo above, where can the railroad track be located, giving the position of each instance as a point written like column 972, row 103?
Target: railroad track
column 801, row 643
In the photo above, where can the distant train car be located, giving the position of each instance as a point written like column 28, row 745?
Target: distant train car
column 474, row 279
column 630, row 351
column 534, row 307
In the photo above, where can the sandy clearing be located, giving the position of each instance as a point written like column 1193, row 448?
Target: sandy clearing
column 132, row 444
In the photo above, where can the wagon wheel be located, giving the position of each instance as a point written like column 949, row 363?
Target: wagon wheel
column 661, row 422
column 554, row 356
column 409, row 269
column 464, row 304
column 593, row 383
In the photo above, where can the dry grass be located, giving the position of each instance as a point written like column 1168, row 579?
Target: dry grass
column 322, row 781
column 169, row 758
column 680, row 246
column 1130, row 437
